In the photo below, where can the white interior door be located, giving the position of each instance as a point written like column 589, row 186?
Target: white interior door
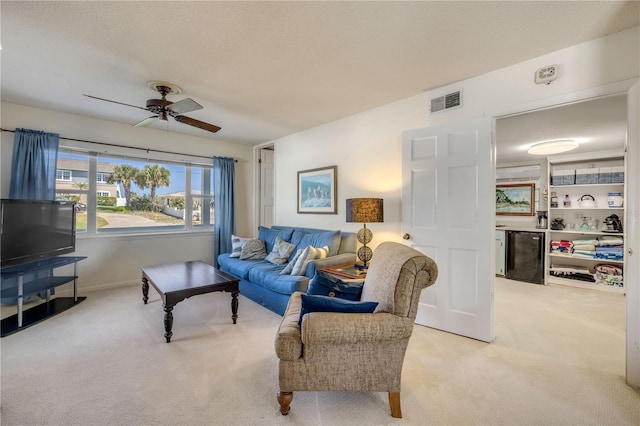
column 448, row 212
column 632, row 237
column 266, row 187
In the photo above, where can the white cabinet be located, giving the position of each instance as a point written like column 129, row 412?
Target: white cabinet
column 500, row 252
column 587, row 224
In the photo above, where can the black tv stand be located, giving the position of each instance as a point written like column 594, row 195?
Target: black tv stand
column 22, row 281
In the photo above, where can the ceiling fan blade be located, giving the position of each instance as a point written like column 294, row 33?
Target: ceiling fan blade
column 184, row 106
column 115, row 102
column 197, row 123
column 147, row 121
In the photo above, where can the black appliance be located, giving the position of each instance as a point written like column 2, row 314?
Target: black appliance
column 613, row 223
column 525, row 256
column 32, row 230
column 557, row 224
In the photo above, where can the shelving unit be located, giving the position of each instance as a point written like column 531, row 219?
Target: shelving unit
column 21, row 281
column 580, row 215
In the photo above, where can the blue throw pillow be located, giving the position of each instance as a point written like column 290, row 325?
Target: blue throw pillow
column 332, row 304
column 269, row 235
column 323, row 284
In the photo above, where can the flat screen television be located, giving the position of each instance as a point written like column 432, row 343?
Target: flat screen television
column 33, row 230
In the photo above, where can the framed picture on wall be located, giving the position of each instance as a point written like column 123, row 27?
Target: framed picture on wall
column 515, row 199
column 317, row 190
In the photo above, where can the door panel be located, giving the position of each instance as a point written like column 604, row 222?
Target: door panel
column 448, row 211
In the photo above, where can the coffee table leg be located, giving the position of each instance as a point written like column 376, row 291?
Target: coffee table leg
column 145, row 290
column 234, row 306
column 168, row 322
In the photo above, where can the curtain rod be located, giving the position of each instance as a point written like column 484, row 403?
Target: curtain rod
column 128, row 147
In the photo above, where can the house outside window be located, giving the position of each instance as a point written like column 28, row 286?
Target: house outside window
column 102, row 177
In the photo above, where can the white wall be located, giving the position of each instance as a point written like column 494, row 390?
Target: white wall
column 116, row 260
column 367, row 147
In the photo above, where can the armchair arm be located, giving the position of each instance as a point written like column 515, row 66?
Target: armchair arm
column 330, row 327
column 288, row 343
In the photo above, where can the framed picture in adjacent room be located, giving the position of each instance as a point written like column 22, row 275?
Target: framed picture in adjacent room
column 515, row 199
column 317, row 190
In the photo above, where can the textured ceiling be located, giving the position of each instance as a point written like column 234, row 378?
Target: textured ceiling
column 263, row 70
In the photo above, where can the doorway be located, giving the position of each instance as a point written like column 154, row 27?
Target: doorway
column 598, row 124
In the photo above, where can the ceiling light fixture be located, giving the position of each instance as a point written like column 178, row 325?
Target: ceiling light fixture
column 553, row 147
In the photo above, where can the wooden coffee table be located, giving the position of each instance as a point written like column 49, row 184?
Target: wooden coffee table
column 178, row 281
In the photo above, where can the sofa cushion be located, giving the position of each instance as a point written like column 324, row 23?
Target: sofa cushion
column 280, row 252
column 321, row 239
column 237, row 267
column 268, row 235
column 268, row 276
column 332, row 304
column 323, row 284
column 296, row 238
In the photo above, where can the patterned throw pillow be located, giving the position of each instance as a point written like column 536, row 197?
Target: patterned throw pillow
column 308, row 254
column 253, row 250
column 269, row 235
column 236, row 245
column 281, row 252
column 287, row 270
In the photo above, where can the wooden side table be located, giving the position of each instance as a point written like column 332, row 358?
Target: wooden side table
column 345, row 270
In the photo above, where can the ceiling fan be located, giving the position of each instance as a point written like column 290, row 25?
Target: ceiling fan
column 163, row 107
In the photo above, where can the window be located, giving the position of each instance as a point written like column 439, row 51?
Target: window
column 63, row 175
column 76, row 189
column 202, row 196
column 137, row 195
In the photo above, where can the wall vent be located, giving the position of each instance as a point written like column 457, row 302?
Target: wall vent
column 449, row 101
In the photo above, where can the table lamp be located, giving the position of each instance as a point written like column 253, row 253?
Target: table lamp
column 365, row 210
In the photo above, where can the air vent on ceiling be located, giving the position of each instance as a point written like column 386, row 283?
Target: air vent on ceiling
column 449, row 101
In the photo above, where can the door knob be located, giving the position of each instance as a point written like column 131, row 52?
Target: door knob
column 406, row 236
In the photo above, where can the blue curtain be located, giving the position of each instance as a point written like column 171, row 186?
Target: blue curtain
column 224, row 209
column 33, row 168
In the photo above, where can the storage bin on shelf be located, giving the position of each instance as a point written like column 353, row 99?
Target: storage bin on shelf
column 587, row 176
column 611, row 174
column 563, row 177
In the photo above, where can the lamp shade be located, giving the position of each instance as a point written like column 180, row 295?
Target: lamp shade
column 365, row 210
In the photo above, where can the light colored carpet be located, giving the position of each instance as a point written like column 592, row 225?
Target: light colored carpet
column 558, row 359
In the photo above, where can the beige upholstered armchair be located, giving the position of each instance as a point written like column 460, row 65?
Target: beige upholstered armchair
column 356, row 351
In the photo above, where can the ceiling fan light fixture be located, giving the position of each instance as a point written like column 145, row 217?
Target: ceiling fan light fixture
column 159, row 86
column 553, row 147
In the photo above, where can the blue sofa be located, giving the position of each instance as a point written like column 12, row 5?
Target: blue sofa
column 261, row 280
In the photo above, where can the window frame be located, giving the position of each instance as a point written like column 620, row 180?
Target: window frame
column 63, row 172
column 102, row 174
